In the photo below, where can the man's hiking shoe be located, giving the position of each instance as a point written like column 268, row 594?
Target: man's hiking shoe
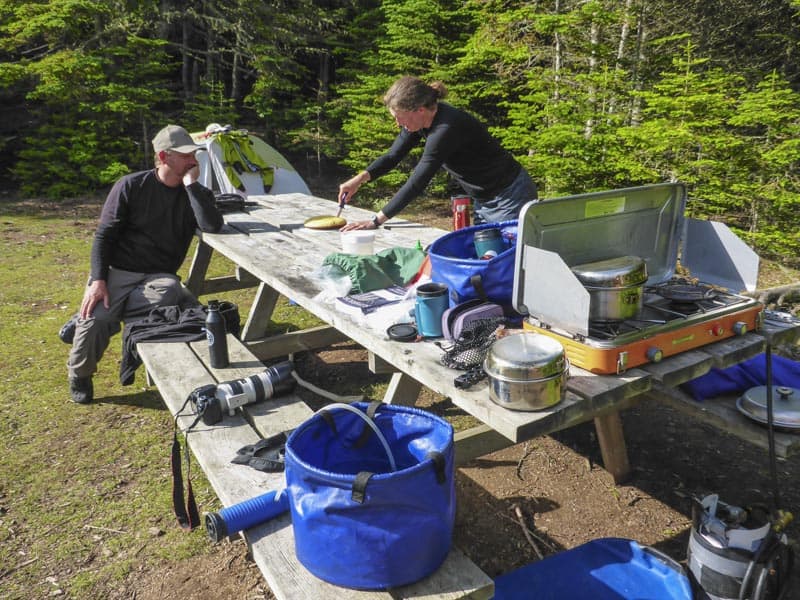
column 67, row 331
column 81, row 389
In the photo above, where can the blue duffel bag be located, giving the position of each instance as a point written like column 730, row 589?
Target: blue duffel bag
column 372, row 494
column 455, row 263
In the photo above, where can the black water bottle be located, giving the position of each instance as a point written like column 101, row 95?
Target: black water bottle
column 216, row 334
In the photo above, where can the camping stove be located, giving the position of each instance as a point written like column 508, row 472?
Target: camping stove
column 676, row 316
column 678, row 313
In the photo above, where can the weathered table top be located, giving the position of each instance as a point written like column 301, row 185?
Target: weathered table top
column 270, row 242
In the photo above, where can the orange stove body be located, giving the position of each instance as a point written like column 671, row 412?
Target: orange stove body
column 604, row 357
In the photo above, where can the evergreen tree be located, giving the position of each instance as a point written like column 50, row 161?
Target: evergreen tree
column 417, row 37
column 767, row 120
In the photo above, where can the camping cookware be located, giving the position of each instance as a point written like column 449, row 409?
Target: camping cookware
column 785, row 406
column 615, row 287
column 527, row 371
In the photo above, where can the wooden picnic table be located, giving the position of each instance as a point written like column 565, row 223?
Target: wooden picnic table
column 273, row 251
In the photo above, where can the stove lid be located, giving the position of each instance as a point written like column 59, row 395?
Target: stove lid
column 644, row 221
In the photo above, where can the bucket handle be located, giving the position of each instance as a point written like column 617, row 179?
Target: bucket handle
column 369, row 422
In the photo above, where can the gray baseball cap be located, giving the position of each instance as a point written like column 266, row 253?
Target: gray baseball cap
column 174, row 137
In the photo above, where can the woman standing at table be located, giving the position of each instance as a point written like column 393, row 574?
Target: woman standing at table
column 453, row 139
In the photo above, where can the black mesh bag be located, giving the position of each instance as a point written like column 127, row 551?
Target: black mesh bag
column 468, row 351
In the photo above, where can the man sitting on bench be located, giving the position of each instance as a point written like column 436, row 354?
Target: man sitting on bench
column 146, row 226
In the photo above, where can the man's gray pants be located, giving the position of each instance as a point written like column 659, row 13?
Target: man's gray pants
column 131, row 297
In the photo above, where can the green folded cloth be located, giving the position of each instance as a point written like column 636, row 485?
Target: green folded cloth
column 393, row 266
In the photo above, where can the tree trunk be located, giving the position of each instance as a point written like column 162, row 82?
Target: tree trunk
column 556, row 57
column 186, row 67
column 594, row 40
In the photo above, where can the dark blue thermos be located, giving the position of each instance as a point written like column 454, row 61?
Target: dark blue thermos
column 217, row 336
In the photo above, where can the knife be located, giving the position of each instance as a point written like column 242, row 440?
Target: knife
column 342, row 203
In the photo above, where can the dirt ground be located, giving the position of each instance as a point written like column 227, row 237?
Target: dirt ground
column 538, row 497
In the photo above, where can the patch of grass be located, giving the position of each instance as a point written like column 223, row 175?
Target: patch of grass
column 85, row 491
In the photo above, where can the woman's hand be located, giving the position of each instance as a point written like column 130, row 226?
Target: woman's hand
column 350, row 187
column 358, row 225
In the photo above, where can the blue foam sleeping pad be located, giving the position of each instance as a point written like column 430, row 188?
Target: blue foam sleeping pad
column 740, row 378
column 603, row 569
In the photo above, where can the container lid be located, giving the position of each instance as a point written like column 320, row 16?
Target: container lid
column 555, row 235
column 620, row 272
column 785, row 405
column 644, row 221
column 488, row 234
column 402, row 332
column 524, row 357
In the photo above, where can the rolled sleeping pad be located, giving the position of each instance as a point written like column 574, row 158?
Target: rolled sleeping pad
column 246, row 514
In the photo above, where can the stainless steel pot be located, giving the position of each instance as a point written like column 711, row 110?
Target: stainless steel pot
column 615, row 287
column 527, row 371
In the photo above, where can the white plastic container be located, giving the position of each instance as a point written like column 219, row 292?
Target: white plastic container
column 358, row 242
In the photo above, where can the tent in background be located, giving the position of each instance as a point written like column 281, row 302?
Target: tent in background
column 235, row 161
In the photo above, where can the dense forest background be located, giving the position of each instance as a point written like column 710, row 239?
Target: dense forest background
column 588, row 94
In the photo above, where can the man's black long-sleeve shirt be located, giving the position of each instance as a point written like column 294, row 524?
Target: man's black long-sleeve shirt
column 146, row 226
column 459, row 143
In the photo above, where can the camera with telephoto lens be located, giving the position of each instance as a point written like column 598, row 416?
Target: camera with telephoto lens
column 211, row 402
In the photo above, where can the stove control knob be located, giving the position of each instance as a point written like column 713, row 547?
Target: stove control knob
column 739, row 328
column 717, row 330
column 654, row 354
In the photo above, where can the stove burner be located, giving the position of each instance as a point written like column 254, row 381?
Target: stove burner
column 684, row 292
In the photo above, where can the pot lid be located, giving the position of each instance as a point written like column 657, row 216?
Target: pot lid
column 623, row 271
column 785, row 405
column 525, row 356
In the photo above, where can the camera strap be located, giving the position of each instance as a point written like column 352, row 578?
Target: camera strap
column 186, row 511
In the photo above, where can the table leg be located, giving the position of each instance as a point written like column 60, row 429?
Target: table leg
column 612, row 445
column 260, row 313
column 403, row 390
column 198, row 269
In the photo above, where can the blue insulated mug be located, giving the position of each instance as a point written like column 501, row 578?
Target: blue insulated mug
column 488, row 240
column 432, row 301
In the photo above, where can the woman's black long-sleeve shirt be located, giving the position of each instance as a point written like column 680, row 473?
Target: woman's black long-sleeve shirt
column 146, row 226
column 459, row 143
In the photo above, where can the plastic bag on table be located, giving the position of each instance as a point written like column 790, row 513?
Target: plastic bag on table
column 332, row 281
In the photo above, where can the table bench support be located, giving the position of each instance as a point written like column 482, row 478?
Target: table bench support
column 293, row 342
column 195, row 281
column 260, row 313
column 403, row 390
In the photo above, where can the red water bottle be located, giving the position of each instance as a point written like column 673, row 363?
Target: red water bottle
column 461, row 206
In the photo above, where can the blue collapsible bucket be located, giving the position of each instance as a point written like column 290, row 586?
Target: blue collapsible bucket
column 455, row 263
column 372, row 494
column 602, row 569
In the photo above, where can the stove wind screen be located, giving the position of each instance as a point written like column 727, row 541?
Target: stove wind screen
column 550, row 291
column 714, row 254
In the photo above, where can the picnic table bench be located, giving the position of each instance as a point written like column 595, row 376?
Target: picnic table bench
column 179, row 368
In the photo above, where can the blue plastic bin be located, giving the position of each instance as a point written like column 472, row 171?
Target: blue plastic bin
column 603, row 569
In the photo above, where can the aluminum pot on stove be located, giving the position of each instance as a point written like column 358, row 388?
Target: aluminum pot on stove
column 615, row 287
column 527, row 371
